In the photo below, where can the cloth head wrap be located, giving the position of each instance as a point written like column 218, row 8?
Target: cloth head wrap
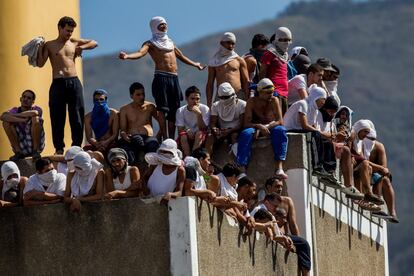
column 362, row 124
column 86, row 170
column 224, row 55
column 7, row 169
column 349, row 115
column 315, row 93
column 116, row 153
column 265, row 85
column 226, row 108
column 72, row 152
column 167, row 154
column 280, row 48
column 295, row 51
column 100, row 115
column 228, row 36
column 160, row 39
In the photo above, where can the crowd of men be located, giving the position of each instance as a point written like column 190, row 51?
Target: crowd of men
column 266, row 92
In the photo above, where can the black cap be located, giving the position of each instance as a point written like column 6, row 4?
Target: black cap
column 325, row 64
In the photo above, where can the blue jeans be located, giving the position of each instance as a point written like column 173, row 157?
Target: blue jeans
column 278, row 138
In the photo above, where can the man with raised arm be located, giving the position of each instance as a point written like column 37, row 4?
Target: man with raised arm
column 165, row 86
column 66, row 88
column 227, row 66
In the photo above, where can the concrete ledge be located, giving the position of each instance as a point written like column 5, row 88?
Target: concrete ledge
column 261, row 164
column 224, row 251
column 125, row 237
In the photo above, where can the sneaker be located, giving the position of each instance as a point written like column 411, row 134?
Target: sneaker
column 17, row 156
column 374, row 199
column 281, row 174
column 381, row 214
column 352, row 192
column 320, row 172
column 331, row 182
column 393, row 219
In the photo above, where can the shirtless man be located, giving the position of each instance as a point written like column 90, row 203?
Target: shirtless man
column 263, row 117
column 66, row 89
column 136, row 124
column 102, row 124
column 276, row 185
column 165, row 86
column 227, row 66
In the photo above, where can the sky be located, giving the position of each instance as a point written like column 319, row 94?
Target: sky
column 124, row 24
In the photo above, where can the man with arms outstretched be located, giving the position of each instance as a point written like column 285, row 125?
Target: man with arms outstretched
column 165, row 86
column 66, row 88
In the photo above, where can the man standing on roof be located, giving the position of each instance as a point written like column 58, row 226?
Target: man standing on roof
column 66, row 88
column 165, row 86
column 274, row 65
column 227, row 66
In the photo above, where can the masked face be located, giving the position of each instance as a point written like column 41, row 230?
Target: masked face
column 48, row 178
column 283, row 38
column 12, row 183
column 82, row 172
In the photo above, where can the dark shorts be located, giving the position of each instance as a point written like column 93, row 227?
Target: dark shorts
column 167, row 93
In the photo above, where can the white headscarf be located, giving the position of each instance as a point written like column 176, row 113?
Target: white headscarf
column 279, row 48
column 169, row 156
column 350, row 112
column 160, row 39
column 8, row 169
column 296, row 51
column 84, row 177
column 226, row 108
column 192, row 162
column 69, row 155
column 224, row 55
column 365, row 146
column 226, row 189
column 315, row 93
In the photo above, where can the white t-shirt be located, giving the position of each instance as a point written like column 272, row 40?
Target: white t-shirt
column 188, row 119
column 58, row 187
column 240, row 107
column 291, row 118
column 296, row 83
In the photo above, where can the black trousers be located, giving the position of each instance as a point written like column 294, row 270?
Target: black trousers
column 66, row 92
column 323, row 153
column 138, row 143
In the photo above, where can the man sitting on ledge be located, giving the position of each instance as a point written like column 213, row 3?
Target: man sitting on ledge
column 24, row 127
column 263, row 117
column 46, row 186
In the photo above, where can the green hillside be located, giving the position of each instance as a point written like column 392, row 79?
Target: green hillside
column 372, row 44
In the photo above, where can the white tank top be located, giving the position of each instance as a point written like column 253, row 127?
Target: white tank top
column 159, row 183
column 127, row 181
